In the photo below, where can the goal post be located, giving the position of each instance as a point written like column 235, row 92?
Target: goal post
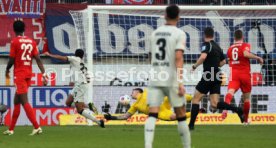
column 118, row 40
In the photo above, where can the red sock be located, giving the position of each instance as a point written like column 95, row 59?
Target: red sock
column 228, row 98
column 30, row 114
column 246, row 108
column 15, row 115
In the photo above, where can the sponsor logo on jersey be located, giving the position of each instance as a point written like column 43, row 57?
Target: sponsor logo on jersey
column 203, row 48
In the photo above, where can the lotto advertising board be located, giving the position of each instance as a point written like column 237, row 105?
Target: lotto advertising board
column 49, row 104
column 202, row 119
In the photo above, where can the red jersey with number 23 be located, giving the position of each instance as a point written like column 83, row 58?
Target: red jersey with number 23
column 237, row 62
column 23, row 49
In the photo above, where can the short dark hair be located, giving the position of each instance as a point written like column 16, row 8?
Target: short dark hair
column 140, row 90
column 172, row 11
column 18, row 26
column 238, row 35
column 79, row 53
column 209, row 32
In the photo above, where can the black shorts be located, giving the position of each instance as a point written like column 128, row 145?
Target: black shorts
column 211, row 85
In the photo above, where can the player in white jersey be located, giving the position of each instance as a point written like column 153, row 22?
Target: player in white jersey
column 167, row 48
column 81, row 80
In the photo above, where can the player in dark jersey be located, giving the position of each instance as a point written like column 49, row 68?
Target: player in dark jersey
column 23, row 50
column 240, row 78
column 212, row 59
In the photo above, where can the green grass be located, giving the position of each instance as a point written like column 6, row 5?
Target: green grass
column 132, row 137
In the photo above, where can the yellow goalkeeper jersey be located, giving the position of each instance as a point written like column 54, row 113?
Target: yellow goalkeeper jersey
column 142, row 106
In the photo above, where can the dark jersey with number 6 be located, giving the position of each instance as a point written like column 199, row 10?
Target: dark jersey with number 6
column 165, row 41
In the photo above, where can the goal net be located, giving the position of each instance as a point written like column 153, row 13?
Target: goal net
column 116, row 39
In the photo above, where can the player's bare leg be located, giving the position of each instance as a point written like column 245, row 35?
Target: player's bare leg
column 183, row 128
column 246, row 106
column 70, row 100
column 70, row 103
column 228, row 99
column 15, row 115
column 214, row 99
column 150, row 126
column 80, row 106
column 195, row 108
column 30, row 114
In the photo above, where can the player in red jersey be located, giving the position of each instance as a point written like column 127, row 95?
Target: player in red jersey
column 240, row 78
column 23, row 50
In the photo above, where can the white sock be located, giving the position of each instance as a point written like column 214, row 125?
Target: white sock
column 149, row 131
column 86, row 114
column 184, row 132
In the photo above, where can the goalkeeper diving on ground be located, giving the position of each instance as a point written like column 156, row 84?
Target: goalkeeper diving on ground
column 166, row 113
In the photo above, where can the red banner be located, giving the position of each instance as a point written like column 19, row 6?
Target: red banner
column 31, row 12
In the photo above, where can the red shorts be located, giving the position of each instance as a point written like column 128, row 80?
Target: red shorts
column 22, row 85
column 241, row 81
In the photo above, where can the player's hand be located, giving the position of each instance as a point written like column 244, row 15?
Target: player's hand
column 193, row 68
column 45, row 79
column 107, row 116
column 261, row 61
column 7, row 74
column 46, row 53
column 181, row 90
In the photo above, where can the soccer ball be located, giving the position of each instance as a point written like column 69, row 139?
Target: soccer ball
column 3, row 108
column 124, row 100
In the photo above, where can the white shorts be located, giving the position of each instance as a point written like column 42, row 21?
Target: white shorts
column 156, row 96
column 79, row 92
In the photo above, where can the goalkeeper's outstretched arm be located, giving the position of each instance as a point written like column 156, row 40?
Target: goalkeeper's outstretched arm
column 121, row 117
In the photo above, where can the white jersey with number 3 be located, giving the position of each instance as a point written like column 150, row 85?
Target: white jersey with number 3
column 165, row 41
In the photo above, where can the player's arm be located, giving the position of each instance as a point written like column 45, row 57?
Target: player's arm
column 41, row 67
column 39, row 63
column 200, row 60
column 179, row 61
column 125, row 116
column 204, row 52
column 59, row 57
column 249, row 55
column 11, row 59
column 223, row 62
column 9, row 66
column 222, row 59
column 121, row 117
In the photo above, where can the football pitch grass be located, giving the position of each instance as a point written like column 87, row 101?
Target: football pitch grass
column 133, row 137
